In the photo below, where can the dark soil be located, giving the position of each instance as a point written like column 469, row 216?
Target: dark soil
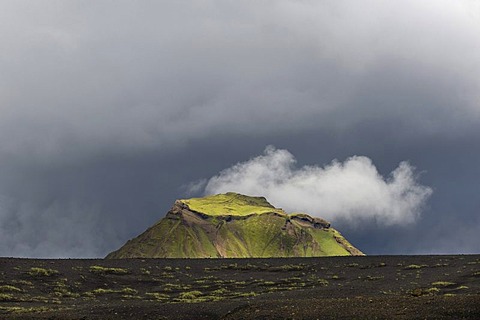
column 372, row 287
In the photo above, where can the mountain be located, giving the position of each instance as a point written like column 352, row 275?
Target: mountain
column 232, row 225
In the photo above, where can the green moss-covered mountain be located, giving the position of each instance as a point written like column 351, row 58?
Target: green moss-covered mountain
column 232, row 225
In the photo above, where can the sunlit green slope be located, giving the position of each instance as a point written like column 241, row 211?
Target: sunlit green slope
column 234, row 225
column 231, row 204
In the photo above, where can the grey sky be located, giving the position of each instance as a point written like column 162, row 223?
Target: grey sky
column 109, row 109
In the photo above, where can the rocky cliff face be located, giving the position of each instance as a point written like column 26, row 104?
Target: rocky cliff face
column 235, row 226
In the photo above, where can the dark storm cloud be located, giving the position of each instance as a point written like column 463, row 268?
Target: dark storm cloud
column 107, row 110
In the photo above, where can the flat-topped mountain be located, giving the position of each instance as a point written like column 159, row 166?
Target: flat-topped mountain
column 232, row 225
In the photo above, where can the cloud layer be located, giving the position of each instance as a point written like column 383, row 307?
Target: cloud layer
column 352, row 190
column 79, row 79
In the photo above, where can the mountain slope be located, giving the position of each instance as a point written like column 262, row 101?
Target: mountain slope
column 232, row 225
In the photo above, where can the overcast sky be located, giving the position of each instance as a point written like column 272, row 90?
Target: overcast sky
column 111, row 110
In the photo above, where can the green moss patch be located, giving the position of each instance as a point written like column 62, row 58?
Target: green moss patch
column 106, row 270
column 42, row 272
column 231, row 204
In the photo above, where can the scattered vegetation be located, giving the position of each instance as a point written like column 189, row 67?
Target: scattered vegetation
column 157, row 296
column 106, row 270
column 42, row 272
column 16, row 309
column 190, row 294
column 6, row 297
column 145, row 271
column 415, row 266
column 191, row 281
column 442, row 283
column 103, row 291
column 9, row 288
column 438, row 265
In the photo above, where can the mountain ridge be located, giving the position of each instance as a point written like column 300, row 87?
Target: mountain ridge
column 232, row 225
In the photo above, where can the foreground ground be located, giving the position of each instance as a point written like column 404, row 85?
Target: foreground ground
column 382, row 287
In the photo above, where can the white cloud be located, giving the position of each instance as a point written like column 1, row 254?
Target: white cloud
column 352, row 190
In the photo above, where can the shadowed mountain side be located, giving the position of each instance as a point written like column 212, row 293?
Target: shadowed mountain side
column 235, row 226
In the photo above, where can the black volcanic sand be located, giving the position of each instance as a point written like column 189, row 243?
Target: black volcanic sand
column 374, row 287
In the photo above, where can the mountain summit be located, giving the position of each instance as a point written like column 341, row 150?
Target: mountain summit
column 233, row 225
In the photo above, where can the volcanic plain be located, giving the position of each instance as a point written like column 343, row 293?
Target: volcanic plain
column 351, row 287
